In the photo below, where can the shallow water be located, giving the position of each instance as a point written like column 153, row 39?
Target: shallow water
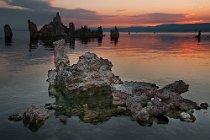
column 158, row 58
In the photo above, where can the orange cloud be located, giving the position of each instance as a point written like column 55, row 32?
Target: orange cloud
column 139, row 20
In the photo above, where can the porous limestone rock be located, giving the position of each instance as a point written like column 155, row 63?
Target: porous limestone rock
column 90, row 71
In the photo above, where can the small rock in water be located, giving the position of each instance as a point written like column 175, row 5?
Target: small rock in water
column 204, row 106
column 177, row 87
column 8, row 33
column 62, row 118
column 186, row 117
column 36, row 114
column 16, row 117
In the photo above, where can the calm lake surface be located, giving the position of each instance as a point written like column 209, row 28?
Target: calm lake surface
column 157, row 58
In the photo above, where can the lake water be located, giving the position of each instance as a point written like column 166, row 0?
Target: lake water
column 157, row 58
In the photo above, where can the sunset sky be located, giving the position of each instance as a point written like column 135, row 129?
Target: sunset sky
column 105, row 12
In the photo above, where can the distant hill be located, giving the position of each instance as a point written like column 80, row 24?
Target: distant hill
column 204, row 27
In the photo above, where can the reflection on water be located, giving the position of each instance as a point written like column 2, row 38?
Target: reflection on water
column 159, row 58
column 114, row 40
column 94, row 109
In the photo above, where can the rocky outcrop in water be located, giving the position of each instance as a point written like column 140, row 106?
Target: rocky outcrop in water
column 94, row 106
column 114, row 34
column 89, row 72
column 56, row 30
column 71, row 30
column 92, row 92
column 8, row 33
column 34, row 34
column 85, row 32
column 33, row 117
column 144, row 100
column 204, row 106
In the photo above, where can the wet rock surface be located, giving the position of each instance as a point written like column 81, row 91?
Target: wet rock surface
column 90, row 71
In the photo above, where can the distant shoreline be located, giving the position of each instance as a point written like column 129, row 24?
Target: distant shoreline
column 203, row 27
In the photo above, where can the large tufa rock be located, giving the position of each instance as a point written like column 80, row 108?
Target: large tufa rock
column 34, row 34
column 89, row 72
column 54, row 30
column 8, row 33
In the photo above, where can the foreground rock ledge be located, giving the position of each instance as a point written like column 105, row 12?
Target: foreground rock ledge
column 144, row 102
